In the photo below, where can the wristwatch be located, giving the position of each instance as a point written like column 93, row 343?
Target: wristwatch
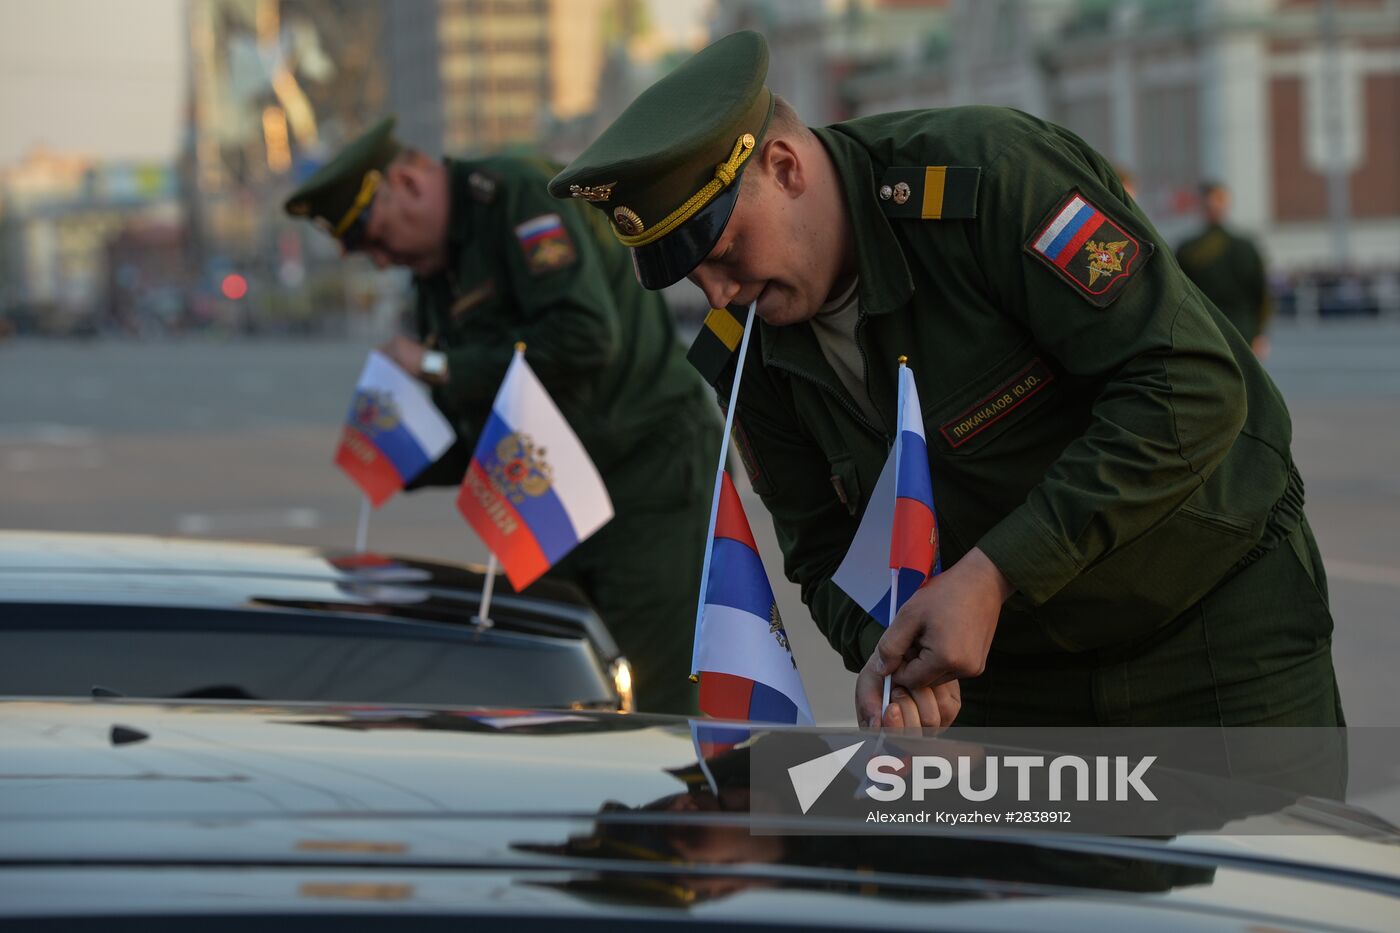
column 434, row 366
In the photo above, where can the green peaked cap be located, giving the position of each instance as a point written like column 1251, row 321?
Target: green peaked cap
column 666, row 171
column 338, row 194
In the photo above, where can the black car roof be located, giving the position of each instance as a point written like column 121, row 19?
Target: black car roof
column 138, row 570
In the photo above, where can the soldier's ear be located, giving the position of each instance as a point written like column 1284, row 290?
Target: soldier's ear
column 395, row 174
column 783, row 162
column 411, row 173
column 407, row 177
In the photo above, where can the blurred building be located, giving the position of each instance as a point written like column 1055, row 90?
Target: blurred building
column 634, row 53
column 493, row 69
column 479, row 76
column 57, row 215
column 147, row 277
column 274, row 88
column 1294, row 104
column 274, row 85
column 817, row 47
column 412, row 57
column 278, row 86
column 578, row 34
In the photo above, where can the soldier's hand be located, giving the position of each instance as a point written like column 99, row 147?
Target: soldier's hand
column 942, row 634
column 407, row 353
column 910, row 710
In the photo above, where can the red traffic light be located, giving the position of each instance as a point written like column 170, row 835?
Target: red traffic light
column 234, row 286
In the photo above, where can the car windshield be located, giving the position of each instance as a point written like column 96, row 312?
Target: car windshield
column 53, row 650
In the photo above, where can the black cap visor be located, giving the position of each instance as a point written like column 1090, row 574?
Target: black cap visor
column 671, row 258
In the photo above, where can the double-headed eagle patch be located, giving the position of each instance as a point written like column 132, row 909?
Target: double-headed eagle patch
column 1088, row 249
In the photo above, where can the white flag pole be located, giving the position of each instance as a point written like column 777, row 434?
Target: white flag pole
column 894, row 595
column 483, row 613
column 362, row 530
column 700, row 759
column 719, row 481
column 894, row 571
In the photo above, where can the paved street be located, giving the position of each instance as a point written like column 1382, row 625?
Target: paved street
column 235, row 439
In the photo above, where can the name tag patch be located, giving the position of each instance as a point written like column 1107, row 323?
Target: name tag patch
column 1088, row 249
column 1001, row 402
column 472, row 298
column 752, row 465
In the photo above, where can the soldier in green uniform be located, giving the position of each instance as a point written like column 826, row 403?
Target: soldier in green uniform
column 495, row 261
column 1120, row 520
column 1227, row 267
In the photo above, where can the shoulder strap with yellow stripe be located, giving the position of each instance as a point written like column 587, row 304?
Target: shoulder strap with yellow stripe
column 930, row 192
column 717, row 344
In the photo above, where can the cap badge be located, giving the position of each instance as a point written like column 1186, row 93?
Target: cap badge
column 592, row 193
column 627, row 221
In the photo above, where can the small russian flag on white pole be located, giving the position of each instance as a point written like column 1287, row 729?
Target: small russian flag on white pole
column 531, row 491
column 895, row 548
column 392, row 432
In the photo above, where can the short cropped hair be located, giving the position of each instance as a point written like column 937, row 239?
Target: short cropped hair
column 785, row 120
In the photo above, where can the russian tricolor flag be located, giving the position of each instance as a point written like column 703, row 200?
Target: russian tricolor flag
column 393, row 431
column 531, row 492
column 532, row 231
column 897, row 539
column 746, row 667
column 1071, row 229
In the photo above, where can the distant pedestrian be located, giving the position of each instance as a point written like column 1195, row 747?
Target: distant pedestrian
column 1128, row 180
column 1228, row 267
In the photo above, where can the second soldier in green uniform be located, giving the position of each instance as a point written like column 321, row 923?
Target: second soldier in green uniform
column 496, row 261
column 1120, row 518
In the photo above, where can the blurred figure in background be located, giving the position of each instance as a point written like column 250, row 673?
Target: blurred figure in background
column 1229, row 269
column 496, row 260
column 1128, row 180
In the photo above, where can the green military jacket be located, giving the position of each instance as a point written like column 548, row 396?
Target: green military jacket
column 1108, row 440
column 525, row 267
column 1230, row 271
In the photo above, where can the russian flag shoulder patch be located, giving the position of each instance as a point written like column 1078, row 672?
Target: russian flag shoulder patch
column 1088, row 249
column 546, row 244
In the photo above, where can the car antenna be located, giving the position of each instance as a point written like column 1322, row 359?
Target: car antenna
column 100, row 692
